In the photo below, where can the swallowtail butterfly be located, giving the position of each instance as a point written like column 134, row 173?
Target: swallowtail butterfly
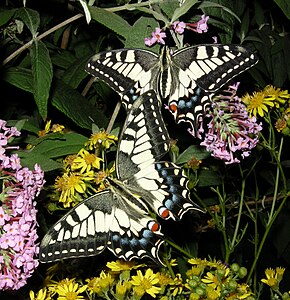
column 188, row 77
column 118, row 218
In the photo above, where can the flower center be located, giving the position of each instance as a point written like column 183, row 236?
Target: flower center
column 71, row 296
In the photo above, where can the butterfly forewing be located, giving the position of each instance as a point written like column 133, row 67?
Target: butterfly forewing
column 130, row 72
column 144, row 139
column 103, row 220
column 187, row 78
column 198, row 72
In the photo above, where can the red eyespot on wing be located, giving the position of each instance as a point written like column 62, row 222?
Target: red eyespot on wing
column 173, row 107
column 164, row 213
column 154, row 226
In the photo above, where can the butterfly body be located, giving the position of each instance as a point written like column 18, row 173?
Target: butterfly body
column 187, row 77
column 120, row 218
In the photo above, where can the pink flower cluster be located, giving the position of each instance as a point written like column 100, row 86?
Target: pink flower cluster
column 158, row 35
column 18, row 224
column 199, row 26
column 231, row 132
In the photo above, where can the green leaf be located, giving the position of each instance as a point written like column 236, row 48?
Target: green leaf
column 6, row 15
column 221, row 10
column 169, row 7
column 157, row 15
column 208, row 178
column 46, row 164
column 42, row 75
column 76, row 72
column 111, row 21
column 50, row 147
column 67, row 143
column 30, row 18
column 284, row 6
column 76, row 107
column 183, row 9
column 19, row 77
column 142, row 28
column 194, row 150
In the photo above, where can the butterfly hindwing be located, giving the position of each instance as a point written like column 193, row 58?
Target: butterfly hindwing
column 143, row 142
column 103, row 220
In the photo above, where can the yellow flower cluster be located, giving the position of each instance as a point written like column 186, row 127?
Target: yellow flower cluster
column 204, row 279
column 83, row 172
column 270, row 97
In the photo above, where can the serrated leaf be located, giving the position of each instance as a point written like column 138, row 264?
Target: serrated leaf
column 42, row 75
column 183, row 9
column 192, row 151
column 19, row 77
column 284, row 6
column 76, row 107
column 6, row 15
column 111, row 21
column 30, row 18
column 76, row 72
column 139, row 32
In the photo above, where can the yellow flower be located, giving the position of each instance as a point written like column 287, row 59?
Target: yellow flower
column 198, row 261
column 122, row 288
column 211, row 293
column 279, row 273
column 46, row 129
column 101, row 138
column 281, row 124
column 271, row 280
column 41, row 295
column 258, row 103
column 100, row 285
column 122, row 265
column 57, row 128
column 177, row 285
column 211, row 280
column 279, row 96
column 194, row 271
column 85, row 161
column 146, row 282
column 68, row 289
column 70, row 184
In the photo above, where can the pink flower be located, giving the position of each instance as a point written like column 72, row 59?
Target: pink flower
column 17, row 215
column 157, row 37
column 231, row 132
column 179, row 27
column 3, row 217
column 200, row 26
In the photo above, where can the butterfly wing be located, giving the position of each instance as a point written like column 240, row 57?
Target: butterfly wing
column 143, row 142
column 197, row 72
column 107, row 219
column 144, row 139
column 129, row 72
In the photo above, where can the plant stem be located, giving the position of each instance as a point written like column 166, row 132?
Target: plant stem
column 239, row 216
column 273, row 214
column 41, row 36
